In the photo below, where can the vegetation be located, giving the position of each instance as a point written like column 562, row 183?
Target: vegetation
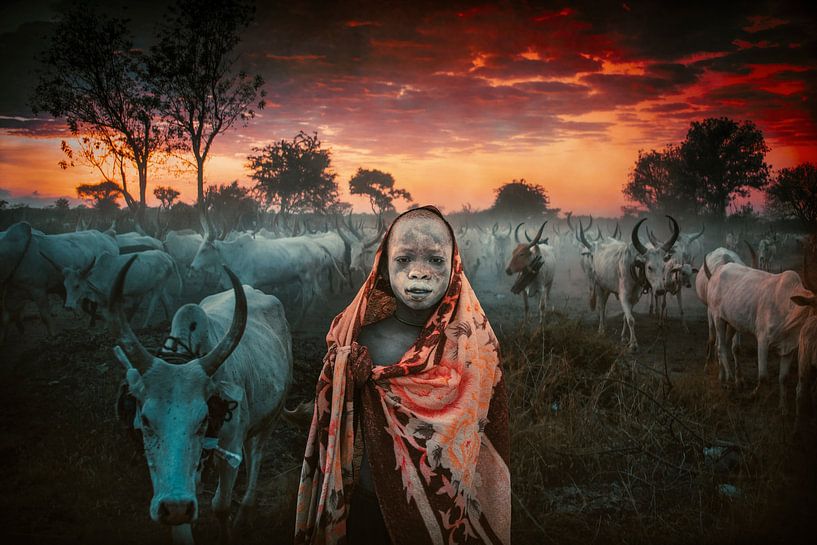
column 378, row 186
column 793, row 193
column 520, row 198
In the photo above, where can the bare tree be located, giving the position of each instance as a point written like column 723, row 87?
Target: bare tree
column 193, row 66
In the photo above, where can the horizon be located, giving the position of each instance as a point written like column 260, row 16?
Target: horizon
column 476, row 95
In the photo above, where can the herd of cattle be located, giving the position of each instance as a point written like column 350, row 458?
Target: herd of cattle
column 231, row 354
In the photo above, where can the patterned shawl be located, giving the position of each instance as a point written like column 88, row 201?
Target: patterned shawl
column 436, row 425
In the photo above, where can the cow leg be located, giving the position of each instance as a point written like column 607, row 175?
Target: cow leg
column 41, row 300
column 525, row 300
column 627, row 307
column 785, row 366
column 681, row 311
column 762, row 364
column 151, row 308
column 222, row 498
column 731, row 337
column 253, row 453
column 711, row 353
column 182, row 534
column 602, row 303
column 724, row 374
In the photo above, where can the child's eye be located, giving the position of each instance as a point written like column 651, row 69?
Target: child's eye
column 402, row 259
column 436, row 260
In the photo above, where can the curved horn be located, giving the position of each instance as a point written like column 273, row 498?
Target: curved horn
column 510, row 228
column 53, row 263
column 589, row 225
column 535, row 240
column 137, row 354
column 706, row 269
column 599, row 236
column 617, row 232
column 582, row 238
column 527, row 236
column 675, row 232
column 570, row 223
column 634, row 236
column 494, row 228
column 213, row 359
column 698, row 235
column 516, row 233
column 751, row 251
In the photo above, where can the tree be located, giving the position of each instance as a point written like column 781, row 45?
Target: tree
column 166, row 196
column 62, row 204
column 229, row 206
column 659, row 182
column 793, row 193
column 294, row 175
column 102, row 196
column 724, row 159
column 193, row 69
column 94, row 78
column 520, row 198
column 379, row 187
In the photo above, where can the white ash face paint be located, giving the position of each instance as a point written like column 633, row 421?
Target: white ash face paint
column 419, row 261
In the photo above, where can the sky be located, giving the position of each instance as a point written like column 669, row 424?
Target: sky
column 455, row 99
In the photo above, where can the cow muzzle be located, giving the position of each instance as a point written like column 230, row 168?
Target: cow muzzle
column 177, row 510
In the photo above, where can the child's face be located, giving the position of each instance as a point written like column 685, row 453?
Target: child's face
column 419, row 261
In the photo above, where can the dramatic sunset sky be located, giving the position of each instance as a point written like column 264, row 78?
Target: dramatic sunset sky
column 455, row 99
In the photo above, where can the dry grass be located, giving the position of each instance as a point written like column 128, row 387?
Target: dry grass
column 607, row 449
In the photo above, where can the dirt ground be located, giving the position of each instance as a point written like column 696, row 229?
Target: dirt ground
column 71, row 474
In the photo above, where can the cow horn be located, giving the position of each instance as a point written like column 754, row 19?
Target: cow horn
column 698, row 235
column 516, row 233
column 751, row 251
column 527, row 236
column 494, row 228
column 582, row 238
column 706, row 270
column 589, row 225
column 636, row 241
column 510, row 228
column 535, row 240
column 675, row 232
column 599, row 236
column 136, row 353
column 570, row 223
column 617, row 232
column 87, row 269
column 213, row 359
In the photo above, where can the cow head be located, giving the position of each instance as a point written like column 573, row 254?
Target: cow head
column 172, row 402
column 524, row 253
column 78, row 285
column 653, row 260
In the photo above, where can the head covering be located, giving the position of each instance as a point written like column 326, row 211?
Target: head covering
column 436, row 424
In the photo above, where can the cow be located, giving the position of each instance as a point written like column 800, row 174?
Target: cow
column 714, row 260
column 767, row 252
column 627, row 270
column 182, row 394
column 155, row 278
column 522, row 258
column 133, row 239
column 746, row 300
column 34, row 278
column 501, row 243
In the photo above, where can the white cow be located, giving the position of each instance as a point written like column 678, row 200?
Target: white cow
column 250, row 368
column 714, row 260
column 627, row 270
column 746, row 300
column 807, row 353
column 155, row 277
column 522, row 257
column 34, row 278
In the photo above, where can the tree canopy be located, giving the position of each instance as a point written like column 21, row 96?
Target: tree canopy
column 294, row 175
column 793, row 193
column 230, row 206
column 719, row 160
column 102, row 196
column 520, row 198
column 378, row 186
column 194, row 73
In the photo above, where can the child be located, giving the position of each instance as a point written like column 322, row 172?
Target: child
column 418, row 349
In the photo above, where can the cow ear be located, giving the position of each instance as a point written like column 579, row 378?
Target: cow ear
column 135, row 384
column 228, row 391
column 804, row 301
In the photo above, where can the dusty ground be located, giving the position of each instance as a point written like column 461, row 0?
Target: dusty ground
column 72, row 475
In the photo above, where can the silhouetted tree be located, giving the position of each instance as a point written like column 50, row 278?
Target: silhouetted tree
column 62, row 204
column 193, row 67
column 378, row 186
column 294, row 176
column 166, row 195
column 793, row 193
column 94, row 78
column 520, row 198
column 230, row 206
column 724, row 159
column 102, row 196
column 658, row 182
